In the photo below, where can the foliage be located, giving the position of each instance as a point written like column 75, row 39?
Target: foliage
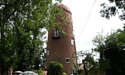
column 112, row 52
column 77, row 69
column 99, row 42
column 89, row 64
column 40, row 71
column 115, row 45
column 54, row 68
column 64, row 73
column 115, row 7
column 21, row 24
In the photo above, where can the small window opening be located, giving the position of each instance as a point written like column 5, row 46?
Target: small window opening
column 47, row 52
column 71, row 20
column 56, row 33
column 72, row 41
column 67, row 60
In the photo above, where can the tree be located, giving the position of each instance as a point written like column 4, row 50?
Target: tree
column 54, row 68
column 89, row 64
column 99, row 42
column 115, row 7
column 21, row 24
column 113, row 51
column 77, row 69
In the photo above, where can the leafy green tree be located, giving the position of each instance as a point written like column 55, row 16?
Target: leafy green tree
column 21, row 24
column 115, row 45
column 89, row 64
column 114, row 7
column 113, row 53
column 54, row 68
column 77, row 69
column 99, row 42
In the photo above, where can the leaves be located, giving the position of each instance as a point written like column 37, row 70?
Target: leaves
column 54, row 68
column 116, row 7
column 89, row 64
column 21, row 23
column 112, row 53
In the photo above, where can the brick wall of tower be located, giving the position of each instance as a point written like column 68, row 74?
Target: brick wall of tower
column 62, row 48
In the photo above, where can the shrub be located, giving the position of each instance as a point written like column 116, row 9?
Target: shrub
column 40, row 71
column 54, row 68
column 64, row 73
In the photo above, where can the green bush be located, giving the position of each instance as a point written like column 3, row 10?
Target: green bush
column 64, row 73
column 40, row 71
column 54, row 68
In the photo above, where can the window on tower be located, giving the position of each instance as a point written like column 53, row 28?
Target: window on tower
column 47, row 52
column 72, row 41
column 56, row 34
column 71, row 20
column 67, row 60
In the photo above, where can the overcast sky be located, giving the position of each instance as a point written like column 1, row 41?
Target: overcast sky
column 87, row 22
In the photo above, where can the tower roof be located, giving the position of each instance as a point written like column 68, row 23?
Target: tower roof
column 64, row 7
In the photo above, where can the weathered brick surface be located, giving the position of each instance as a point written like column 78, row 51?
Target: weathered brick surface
column 61, row 48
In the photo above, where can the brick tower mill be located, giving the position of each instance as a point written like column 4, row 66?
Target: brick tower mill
column 61, row 47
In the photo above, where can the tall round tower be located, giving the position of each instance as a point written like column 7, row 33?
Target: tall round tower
column 61, row 47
